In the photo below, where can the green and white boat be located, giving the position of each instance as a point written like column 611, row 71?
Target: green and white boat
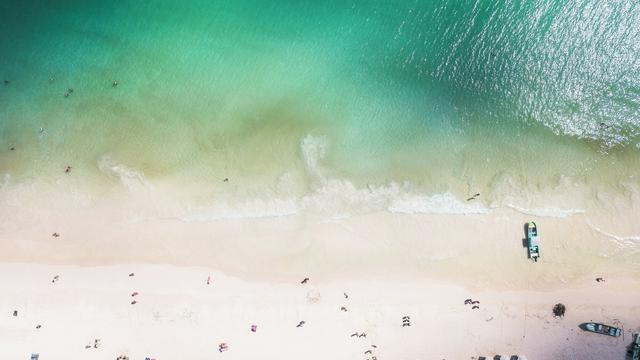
column 533, row 242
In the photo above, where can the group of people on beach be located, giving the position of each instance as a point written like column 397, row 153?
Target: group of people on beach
column 474, row 303
column 223, row 346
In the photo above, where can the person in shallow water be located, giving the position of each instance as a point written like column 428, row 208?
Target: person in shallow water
column 473, row 197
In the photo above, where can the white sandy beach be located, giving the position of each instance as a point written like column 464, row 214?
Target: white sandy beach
column 178, row 316
column 391, row 266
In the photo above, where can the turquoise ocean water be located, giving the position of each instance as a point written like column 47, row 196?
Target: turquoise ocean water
column 409, row 106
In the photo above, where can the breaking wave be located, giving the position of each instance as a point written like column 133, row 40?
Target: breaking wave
column 132, row 179
column 340, row 198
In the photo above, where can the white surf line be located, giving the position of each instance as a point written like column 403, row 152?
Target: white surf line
column 546, row 212
column 627, row 241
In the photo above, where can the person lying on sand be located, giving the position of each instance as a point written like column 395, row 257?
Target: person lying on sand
column 468, row 301
column 131, row 274
column 475, row 307
column 301, row 323
column 362, row 335
column 599, row 279
column 304, row 281
column 55, row 235
column 135, row 293
column 355, row 334
column 345, row 295
column 343, row 308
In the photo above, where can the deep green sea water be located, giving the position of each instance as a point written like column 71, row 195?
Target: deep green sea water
column 326, row 104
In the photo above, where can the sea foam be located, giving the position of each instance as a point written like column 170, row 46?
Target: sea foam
column 445, row 203
column 629, row 241
column 547, row 211
column 337, row 198
column 132, row 179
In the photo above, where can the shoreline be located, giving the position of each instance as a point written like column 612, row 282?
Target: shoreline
column 480, row 249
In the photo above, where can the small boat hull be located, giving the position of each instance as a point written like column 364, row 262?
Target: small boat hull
column 601, row 329
column 533, row 242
